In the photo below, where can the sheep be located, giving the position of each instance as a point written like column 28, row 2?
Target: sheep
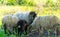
column 45, row 22
column 27, row 16
column 9, row 22
column 21, row 26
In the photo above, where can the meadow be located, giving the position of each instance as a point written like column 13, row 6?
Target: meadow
column 40, row 12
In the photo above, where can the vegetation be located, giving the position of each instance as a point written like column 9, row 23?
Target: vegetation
column 41, row 7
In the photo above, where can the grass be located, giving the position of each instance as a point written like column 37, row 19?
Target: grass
column 13, row 9
column 1, row 33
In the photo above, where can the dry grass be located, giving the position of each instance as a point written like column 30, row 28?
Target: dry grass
column 45, row 11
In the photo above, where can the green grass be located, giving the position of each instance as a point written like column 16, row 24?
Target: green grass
column 1, row 33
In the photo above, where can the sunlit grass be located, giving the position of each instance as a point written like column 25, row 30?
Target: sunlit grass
column 13, row 9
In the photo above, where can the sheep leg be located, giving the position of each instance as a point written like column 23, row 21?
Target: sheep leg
column 5, row 28
column 26, row 30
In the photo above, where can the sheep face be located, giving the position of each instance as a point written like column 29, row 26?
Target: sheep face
column 32, row 16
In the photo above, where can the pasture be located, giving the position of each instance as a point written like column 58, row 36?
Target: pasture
column 13, row 9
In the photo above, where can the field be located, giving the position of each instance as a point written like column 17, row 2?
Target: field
column 40, row 12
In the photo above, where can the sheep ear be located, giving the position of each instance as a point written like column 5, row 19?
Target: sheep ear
column 19, row 26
